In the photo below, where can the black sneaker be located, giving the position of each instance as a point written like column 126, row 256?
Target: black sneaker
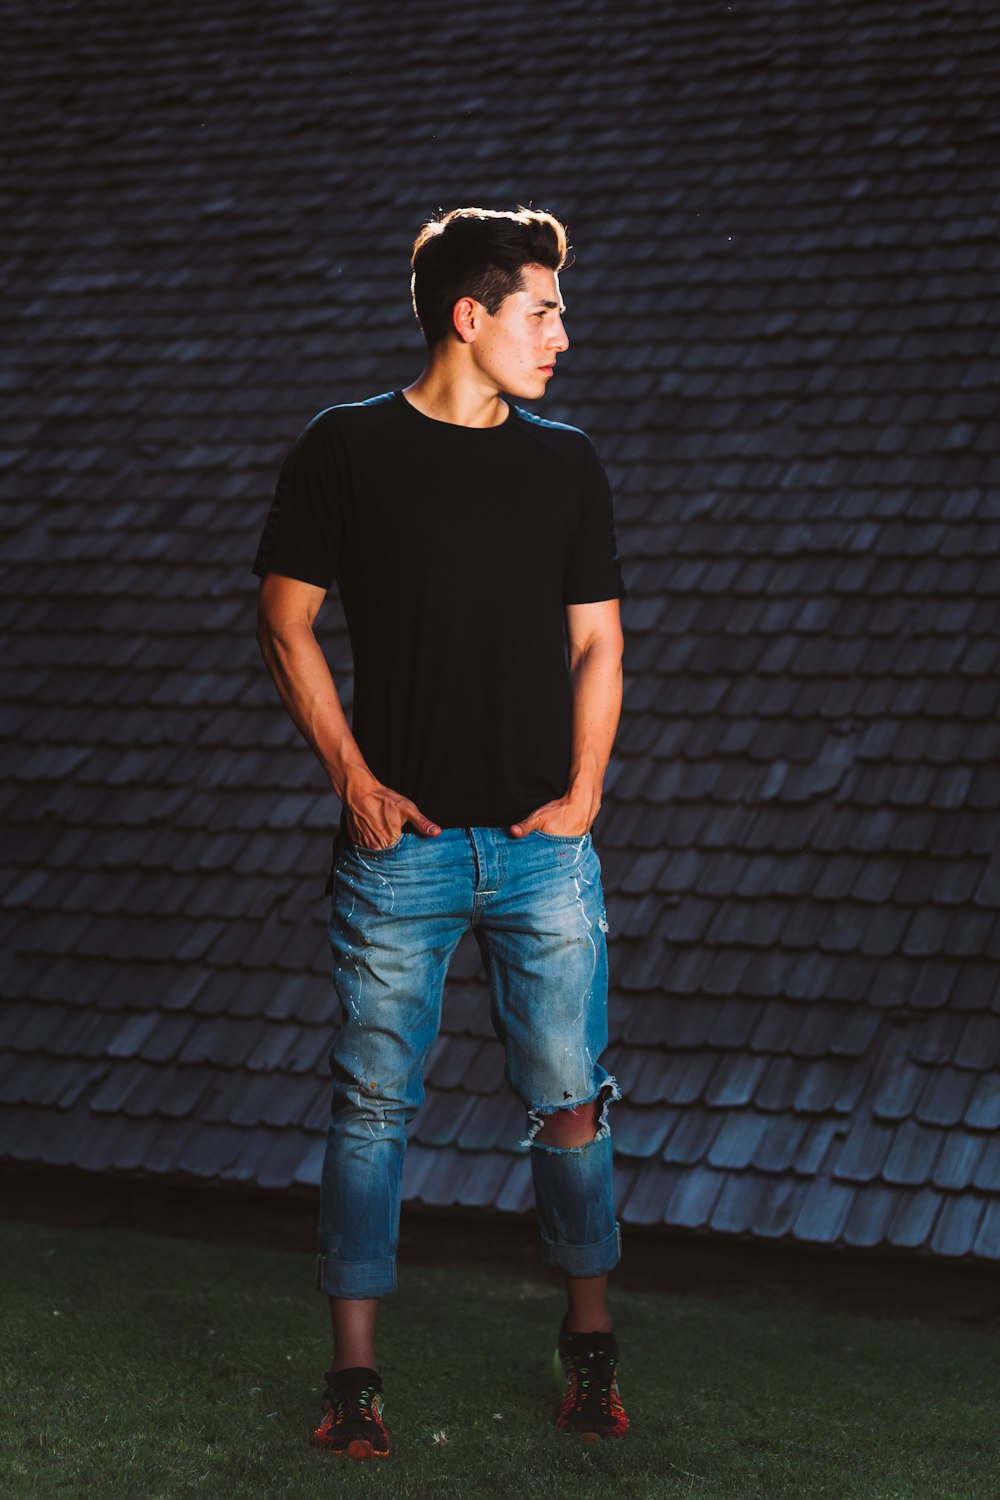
column 586, row 1366
column 352, row 1420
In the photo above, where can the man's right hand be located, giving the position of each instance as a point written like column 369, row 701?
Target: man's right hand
column 375, row 818
column 374, row 814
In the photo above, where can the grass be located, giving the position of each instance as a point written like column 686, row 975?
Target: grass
column 136, row 1365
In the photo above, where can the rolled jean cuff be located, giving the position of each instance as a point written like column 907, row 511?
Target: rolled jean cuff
column 355, row 1278
column 583, row 1260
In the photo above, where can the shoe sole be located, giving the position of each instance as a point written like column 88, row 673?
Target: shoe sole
column 591, row 1437
column 359, row 1449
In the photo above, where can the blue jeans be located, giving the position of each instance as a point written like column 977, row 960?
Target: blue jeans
column 536, row 907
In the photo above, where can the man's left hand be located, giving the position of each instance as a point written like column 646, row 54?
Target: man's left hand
column 569, row 816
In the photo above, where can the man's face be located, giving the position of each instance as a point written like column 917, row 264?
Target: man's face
column 516, row 350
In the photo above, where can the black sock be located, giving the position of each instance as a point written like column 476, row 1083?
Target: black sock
column 583, row 1344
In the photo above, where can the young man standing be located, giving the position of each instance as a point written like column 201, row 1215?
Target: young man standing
column 473, row 546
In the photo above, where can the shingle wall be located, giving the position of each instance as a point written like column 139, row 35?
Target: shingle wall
column 785, row 333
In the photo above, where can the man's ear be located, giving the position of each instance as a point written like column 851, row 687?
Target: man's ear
column 466, row 316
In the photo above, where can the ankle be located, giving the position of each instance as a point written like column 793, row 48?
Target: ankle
column 359, row 1374
column 594, row 1323
column 355, row 1360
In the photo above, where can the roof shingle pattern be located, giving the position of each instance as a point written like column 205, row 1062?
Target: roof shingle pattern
column 785, row 338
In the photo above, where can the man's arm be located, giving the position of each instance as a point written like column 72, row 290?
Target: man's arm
column 286, row 612
column 596, row 645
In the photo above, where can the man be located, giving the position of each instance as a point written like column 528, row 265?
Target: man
column 472, row 544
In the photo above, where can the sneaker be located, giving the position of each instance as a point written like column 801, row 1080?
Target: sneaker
column 586, row 1367
column 352, row 1421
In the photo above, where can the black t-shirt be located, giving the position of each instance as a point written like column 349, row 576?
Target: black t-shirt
column 454, row 550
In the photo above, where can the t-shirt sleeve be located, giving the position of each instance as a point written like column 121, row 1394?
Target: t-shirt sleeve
column 304, row 531
column 593, row 568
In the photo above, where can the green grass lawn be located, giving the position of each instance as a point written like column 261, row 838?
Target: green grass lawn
column 137, row 1365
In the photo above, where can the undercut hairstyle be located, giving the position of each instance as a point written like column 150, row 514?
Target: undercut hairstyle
column 480, row 253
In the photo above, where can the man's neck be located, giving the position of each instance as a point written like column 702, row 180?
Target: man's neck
column 441, row 394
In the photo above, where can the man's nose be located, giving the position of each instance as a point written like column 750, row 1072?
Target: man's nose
column 559, row 339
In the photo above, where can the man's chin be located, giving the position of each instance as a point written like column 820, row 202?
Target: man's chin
column 533, row 392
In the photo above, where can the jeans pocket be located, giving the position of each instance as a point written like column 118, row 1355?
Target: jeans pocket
column 387, row 849
column 562, row 838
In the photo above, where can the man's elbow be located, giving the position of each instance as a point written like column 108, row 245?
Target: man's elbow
column 280, row 639
column 276, row 637
column 266, row 635
column 608, row 648
column 286, row 609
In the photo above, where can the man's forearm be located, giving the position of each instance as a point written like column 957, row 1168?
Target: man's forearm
column 306, row 688
column 597, row 705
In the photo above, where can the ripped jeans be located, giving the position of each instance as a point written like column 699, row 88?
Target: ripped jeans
column 536, row 907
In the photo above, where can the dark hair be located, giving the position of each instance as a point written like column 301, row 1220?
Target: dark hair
column 480, row 253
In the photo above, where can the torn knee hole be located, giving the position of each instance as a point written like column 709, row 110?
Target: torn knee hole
column 571, row 1128
column 596, row 1111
